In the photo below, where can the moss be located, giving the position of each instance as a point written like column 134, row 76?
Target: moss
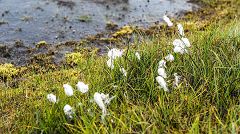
column 126, row 30
column 74, row 58
column 42, row 63
column 81, row 56
column 41, row 43
column 9, row 75
column 8, row 70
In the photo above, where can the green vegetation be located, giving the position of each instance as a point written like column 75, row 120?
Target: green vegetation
column 206, row 101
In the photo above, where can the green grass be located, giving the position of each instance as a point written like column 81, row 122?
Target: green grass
column 207, row 100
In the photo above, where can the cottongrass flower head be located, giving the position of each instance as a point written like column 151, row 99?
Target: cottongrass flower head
column 82, row 87
column 180, row 29
column 180, row 50
column 186, row 42
column 102, row 100
column 123, row 71
column 52, row 98
column 183, row 42
column 138, row 55
column 169, row 57
column 167, row 20
column 110, row 63
column 68, row 111
column 162, row 72
column 162, row 83
column 115, row 53
column 68, row 89
column 99, row 101
column 162, row 64
column 106, row 98
column 180, row 45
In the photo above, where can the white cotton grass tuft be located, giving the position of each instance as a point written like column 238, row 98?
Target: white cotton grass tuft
column 99, row 101
column 106, row 98
column 52, row 98
column 167, row 20
column 162, row 83
column 162, row 64
column 176, row 80
column 180, row 29
column 102, row 100
column 180, row 50
column 162, row 72
column 82, row 87
column 115, row 53
column 68, row 89
column 138, row 55
column 110, row 63
column 178, row 42
column 169, row 57
column 183, row 42
column 68, row 111
column 123, row 71
column 181, row 45
column 186, row 42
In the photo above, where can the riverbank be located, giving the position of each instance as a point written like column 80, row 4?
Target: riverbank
column 206, row 100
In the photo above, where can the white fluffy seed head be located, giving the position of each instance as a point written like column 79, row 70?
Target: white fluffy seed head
column 180, row 50
column 115, row 53
column 102, row 100
column 68, row 111
column 82, row 87
column 186, row 42
column 162, row 83
column 52, row 98
column 169, row 57
column 183, row 42
column 162, row 72
column 68, row 89
column 99, row 101
column 110, row 63
column 180, row 29
column 178, row 43
column 162, row 64
column 167, row 20
column 106, row 99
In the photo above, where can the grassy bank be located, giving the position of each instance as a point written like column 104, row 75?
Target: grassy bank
column 207, row 99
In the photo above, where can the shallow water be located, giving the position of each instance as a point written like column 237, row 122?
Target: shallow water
column 61, row 20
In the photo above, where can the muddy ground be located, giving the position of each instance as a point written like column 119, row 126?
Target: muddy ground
column 69, row 25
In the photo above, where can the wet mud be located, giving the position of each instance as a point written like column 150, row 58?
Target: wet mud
column 24, row 23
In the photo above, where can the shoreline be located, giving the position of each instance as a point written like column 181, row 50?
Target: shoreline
column 22, row 54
